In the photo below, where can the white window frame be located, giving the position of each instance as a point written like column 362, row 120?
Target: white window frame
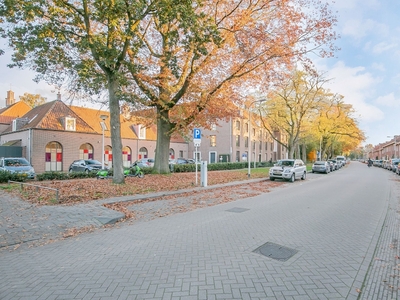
column 142, row 132
column 70, row 124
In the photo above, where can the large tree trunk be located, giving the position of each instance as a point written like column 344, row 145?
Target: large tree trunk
column 115, row 124
column 161, row 164
column 304, row 152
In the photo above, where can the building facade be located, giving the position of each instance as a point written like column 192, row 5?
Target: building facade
column 386, row 150
column 232, row 140
column 54, row 134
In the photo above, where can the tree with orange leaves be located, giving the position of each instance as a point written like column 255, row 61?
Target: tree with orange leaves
column 187, row 59
column 193, row 82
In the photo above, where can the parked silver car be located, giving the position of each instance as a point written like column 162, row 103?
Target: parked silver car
column 321, row 167
column 335, row 164
column 392, row 166
column 288, row 169
column 17, row 165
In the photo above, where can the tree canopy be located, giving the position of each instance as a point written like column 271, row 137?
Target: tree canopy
column 194, row 82
column 305, row 112
column 186, row 60
column 32, row 100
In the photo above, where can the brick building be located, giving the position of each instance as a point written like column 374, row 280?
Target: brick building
column 228, row 141
column 54, row 134
column 386, row 150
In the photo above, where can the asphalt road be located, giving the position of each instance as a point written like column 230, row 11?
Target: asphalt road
column 331, row 236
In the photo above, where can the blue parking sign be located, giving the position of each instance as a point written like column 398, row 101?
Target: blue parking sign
column 196, row 133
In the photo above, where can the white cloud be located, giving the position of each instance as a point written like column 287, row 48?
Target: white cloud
column 388, row 100
column 356, row 4
column 357, row 86
column 383, row 47
column 379, row 67
column 358, row 28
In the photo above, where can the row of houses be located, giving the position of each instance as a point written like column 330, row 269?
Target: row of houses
column 55, row 134
column 386, row 150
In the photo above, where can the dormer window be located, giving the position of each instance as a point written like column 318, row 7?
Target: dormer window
column 142, row 132
column 70, row 124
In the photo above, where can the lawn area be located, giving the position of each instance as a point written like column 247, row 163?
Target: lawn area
column 82, row 190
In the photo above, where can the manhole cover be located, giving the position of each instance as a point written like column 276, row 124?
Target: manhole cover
column 276, row 251
column 237, row 209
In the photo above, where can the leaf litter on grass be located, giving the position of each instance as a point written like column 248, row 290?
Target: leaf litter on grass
column 75, row 191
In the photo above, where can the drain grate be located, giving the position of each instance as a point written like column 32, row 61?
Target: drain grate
column 237, row 209
column 276, row 251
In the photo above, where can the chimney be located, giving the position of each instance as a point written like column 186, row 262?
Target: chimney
column 10, row 100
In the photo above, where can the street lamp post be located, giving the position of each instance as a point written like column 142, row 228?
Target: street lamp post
column 250, row 149
column 103, row 127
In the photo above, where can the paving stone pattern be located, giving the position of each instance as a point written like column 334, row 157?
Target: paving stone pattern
column 346, row 247
column 383, row 278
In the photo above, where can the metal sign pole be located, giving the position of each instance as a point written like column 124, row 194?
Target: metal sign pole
column 195, row 161
column 196, row 141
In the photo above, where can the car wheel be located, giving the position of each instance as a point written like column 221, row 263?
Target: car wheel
column 87, row 171
column 292, row 178
column 312, row 171
column 272, row 178
column 70, row 170
column 304, row 176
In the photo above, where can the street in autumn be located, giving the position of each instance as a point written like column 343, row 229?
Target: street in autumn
column 331, row 236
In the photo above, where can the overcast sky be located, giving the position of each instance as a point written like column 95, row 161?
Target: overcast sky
column 366, row 71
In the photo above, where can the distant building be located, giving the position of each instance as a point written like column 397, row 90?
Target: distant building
column 386, row 150
column 229, row 141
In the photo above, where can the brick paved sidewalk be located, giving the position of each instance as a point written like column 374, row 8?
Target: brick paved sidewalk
column 383, row 277
column 214, row 247
column 25, row 224
column 22, row 223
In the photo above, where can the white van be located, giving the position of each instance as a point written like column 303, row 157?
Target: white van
column 341, row 160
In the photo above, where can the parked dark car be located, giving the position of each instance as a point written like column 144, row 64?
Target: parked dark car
column 145, row 163
column 378, row 163
column 321, row 167
column 180, row 161
column 85, row 165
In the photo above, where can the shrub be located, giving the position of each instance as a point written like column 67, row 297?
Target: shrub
column 6, row 176
column 52, row 175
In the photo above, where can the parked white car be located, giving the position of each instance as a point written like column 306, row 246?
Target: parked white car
column 288, row 169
